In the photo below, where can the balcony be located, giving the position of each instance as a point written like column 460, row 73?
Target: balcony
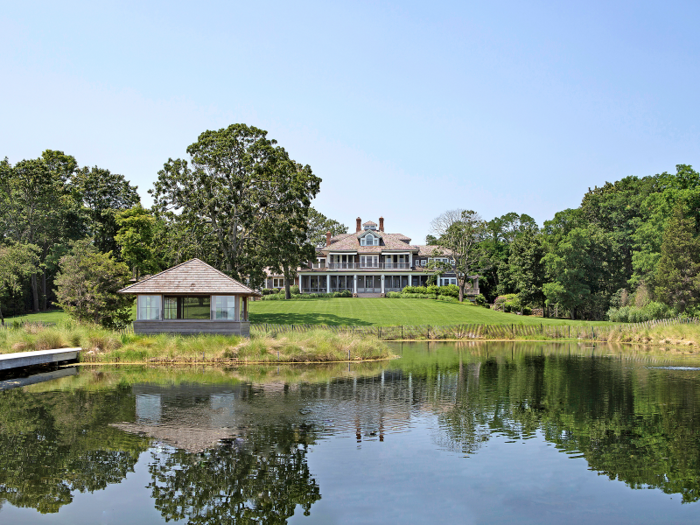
column 368, row 266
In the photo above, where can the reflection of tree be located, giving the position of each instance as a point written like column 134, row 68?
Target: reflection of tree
column 633, row 424
column 260, row 479
column 52, row 444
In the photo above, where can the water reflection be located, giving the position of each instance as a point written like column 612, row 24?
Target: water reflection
column 229, row 449
column 55, row 444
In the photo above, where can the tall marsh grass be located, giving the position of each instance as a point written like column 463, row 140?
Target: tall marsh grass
column 104, row 346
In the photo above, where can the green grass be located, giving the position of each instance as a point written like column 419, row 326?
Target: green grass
column 363, row 312
column 53, row 316
column 386, row 312
column 105, row 346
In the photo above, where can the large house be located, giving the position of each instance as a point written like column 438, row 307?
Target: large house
column 371, row 262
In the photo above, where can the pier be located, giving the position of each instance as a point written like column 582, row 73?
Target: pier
column 40, row 357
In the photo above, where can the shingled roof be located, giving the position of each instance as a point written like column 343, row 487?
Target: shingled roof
column 189, row 278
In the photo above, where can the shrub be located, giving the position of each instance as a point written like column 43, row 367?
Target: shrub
column 273, row 297
column 481, row 300
column 294, row 290
column 269, row 291
column 393, row 295
column 447, row 299
column 636, row 314
column 451, row 290
column 433, row 289
column 87, row 286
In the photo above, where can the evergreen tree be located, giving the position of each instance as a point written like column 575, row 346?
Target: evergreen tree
column 678, row 271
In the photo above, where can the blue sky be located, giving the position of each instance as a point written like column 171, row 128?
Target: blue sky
column 404, row 109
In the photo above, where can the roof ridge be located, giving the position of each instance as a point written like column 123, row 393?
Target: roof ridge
column 160, row 273
column 194, row 259
column 223, row 274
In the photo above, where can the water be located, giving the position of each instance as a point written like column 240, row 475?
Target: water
column 477, row 433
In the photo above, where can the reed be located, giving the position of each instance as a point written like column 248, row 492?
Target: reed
column 104, row 346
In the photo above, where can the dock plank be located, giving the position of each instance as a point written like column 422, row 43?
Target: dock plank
column 39, row 357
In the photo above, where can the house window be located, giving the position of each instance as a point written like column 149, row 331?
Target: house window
column 370, row 240
column 148, row 307
column 192, row 307
column 369, row 261
column 278, row 283
column 224, row 307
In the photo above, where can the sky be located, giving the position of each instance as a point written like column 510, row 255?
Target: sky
column 404, row 109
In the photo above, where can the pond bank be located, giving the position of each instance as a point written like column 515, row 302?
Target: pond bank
column 105, row 346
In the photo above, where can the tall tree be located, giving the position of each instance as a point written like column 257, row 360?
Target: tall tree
column 288, row 232
column 17, row 262
column 460, row 233
column 678, row 272
column 229, row 196
column 319, row 225
column 527, row 267
column 103, row 194
column 135, row 239
column 37, row 207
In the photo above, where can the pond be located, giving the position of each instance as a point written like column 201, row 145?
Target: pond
column 463, row 433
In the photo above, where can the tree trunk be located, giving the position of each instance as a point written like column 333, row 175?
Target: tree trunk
column 461, row 292
column 2, row 319
column 44, row 292
column 287, row 286
column 35, row 292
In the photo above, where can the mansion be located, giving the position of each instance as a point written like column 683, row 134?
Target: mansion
column 370, row 263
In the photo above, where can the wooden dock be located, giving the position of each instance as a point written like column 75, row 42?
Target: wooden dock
column 41, row 357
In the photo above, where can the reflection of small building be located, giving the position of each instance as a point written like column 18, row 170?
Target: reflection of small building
column 189, row 298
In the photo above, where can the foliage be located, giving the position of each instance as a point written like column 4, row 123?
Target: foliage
column 231, row 195
column 480, row 300
column 87, row 287
column 136, row 228
column 637, row 314
column 17, row 262
column 37, row 207
column 459, row 233
column 678, row 271
column 528, row 270
column 319, row 225
column 103, row 195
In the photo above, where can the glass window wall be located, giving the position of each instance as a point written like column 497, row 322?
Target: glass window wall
column 148, row 307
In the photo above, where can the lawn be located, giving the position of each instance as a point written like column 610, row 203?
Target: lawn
column 362, row 312
column 53, row 316
column 385, row 312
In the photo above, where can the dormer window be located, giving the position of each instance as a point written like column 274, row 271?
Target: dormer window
column 369, row 240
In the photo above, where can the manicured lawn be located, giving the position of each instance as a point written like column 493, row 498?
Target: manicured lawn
column 53, row 316
column 384, row 312
column 361, row 312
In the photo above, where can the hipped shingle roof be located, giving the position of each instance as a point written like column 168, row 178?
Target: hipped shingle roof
column 191, row 277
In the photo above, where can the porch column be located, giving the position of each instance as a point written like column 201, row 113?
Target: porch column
column 410, row 260
column 354, row 284
column 382, row 284
column 328, row 284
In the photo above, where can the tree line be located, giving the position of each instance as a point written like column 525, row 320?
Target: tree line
column 71, row 236
column 629, row 252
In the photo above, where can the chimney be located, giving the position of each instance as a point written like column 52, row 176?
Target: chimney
column 381, row 224
column 359, row 225
column 328, row 238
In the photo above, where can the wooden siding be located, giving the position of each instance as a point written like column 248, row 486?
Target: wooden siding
column 192, row 327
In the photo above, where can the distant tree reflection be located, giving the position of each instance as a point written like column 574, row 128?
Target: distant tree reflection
column 56, row 443
column 259, row 479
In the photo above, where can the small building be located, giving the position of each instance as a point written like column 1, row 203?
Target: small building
column 191, row 298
